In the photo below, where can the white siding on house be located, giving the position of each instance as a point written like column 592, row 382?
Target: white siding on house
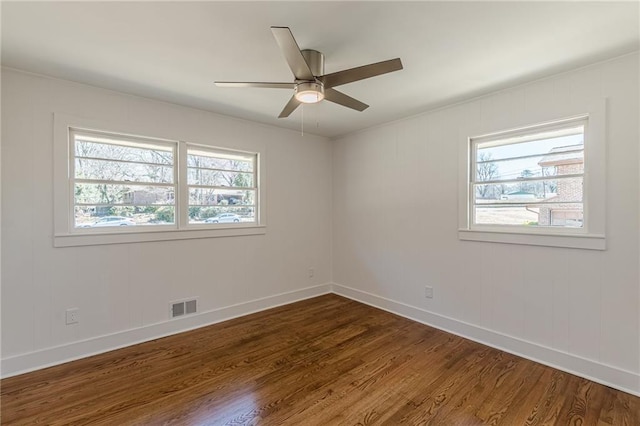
column 395, row 201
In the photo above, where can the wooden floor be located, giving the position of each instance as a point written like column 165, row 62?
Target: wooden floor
column 323, row 361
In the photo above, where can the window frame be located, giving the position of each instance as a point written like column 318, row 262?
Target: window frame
column 591, row 235
column 140, row 139
column 528, row 135
column 255, row 188
column 67, row 235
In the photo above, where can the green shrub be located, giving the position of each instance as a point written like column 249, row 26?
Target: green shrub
column 165, row 214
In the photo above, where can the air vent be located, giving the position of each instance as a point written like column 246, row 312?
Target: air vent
column 190, row 307
column 183, row 307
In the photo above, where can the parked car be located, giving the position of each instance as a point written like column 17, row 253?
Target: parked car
column 223, row 218
column 111, row 221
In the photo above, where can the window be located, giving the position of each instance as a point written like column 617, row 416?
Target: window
column 119, row 181
column 222, row 186
column 542, row 184
column 530, row 179
column 117, row 188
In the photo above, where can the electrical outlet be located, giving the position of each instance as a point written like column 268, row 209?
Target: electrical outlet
column 72, row 316
column 312, row 272
column 428, row 292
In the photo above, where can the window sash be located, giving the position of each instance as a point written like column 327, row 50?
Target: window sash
column 559, row 128
column 118, row 140
column 222, row 154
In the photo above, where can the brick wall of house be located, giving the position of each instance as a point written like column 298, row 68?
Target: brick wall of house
column 568, row 190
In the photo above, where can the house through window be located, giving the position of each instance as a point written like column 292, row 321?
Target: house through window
column 529, row 179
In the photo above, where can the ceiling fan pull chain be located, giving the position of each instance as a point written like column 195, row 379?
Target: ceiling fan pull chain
column 302, row 121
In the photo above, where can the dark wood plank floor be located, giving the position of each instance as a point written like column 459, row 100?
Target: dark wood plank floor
column 323, row 361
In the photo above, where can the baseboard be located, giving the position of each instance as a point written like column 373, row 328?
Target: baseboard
column 31, row 361
column 614, row 377
column 607, row 375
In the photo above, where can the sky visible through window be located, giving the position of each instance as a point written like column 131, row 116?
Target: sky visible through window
column 512, row 169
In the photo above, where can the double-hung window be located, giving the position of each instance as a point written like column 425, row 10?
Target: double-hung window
column 531, row 179
column 121, row 181
column 222, row 185
column 543, row 184
column 118, row 188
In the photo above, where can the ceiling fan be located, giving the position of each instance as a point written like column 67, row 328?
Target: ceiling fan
column 311, row 84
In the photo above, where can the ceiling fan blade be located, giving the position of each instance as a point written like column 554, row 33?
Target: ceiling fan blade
column 289, row 107
column 255, row 84
column 292, row 53
column 340, row 98
column 360, row 73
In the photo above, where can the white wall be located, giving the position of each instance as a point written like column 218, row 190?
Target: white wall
column 123, row 290
column 394, row 230
column 395, row 222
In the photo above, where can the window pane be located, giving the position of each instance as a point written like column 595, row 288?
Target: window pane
column 123, row 217
column 219, row 161
column 568, row 215
column 222, row 197
column 92, row 193
column 123, row 150
column 536, row 144
column 557, row 161
column 219, row 178
column 505, row 215
column 221, row 214
column 120, row 171
column 556, row 191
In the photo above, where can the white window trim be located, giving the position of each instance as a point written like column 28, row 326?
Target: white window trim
column 592, row 237
column 66, row 235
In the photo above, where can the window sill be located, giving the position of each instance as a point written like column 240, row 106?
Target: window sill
column 74, row 240
column 578, row 241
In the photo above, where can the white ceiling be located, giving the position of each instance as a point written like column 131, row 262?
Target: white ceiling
column 173, row 51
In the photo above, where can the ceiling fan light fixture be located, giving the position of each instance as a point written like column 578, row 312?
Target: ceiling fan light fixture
column 309, row 92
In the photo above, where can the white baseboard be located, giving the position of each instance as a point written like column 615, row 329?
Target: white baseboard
column 31, row 361
column 626, row 381
column 614, row 377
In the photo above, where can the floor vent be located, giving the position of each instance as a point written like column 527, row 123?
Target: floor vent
column 184, row 307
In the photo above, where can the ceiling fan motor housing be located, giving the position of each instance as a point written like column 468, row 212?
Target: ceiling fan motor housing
column 310, row 92
column 315, row 60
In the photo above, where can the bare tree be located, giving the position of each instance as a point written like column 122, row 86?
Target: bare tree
column 96, row 161
column 486, row 170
